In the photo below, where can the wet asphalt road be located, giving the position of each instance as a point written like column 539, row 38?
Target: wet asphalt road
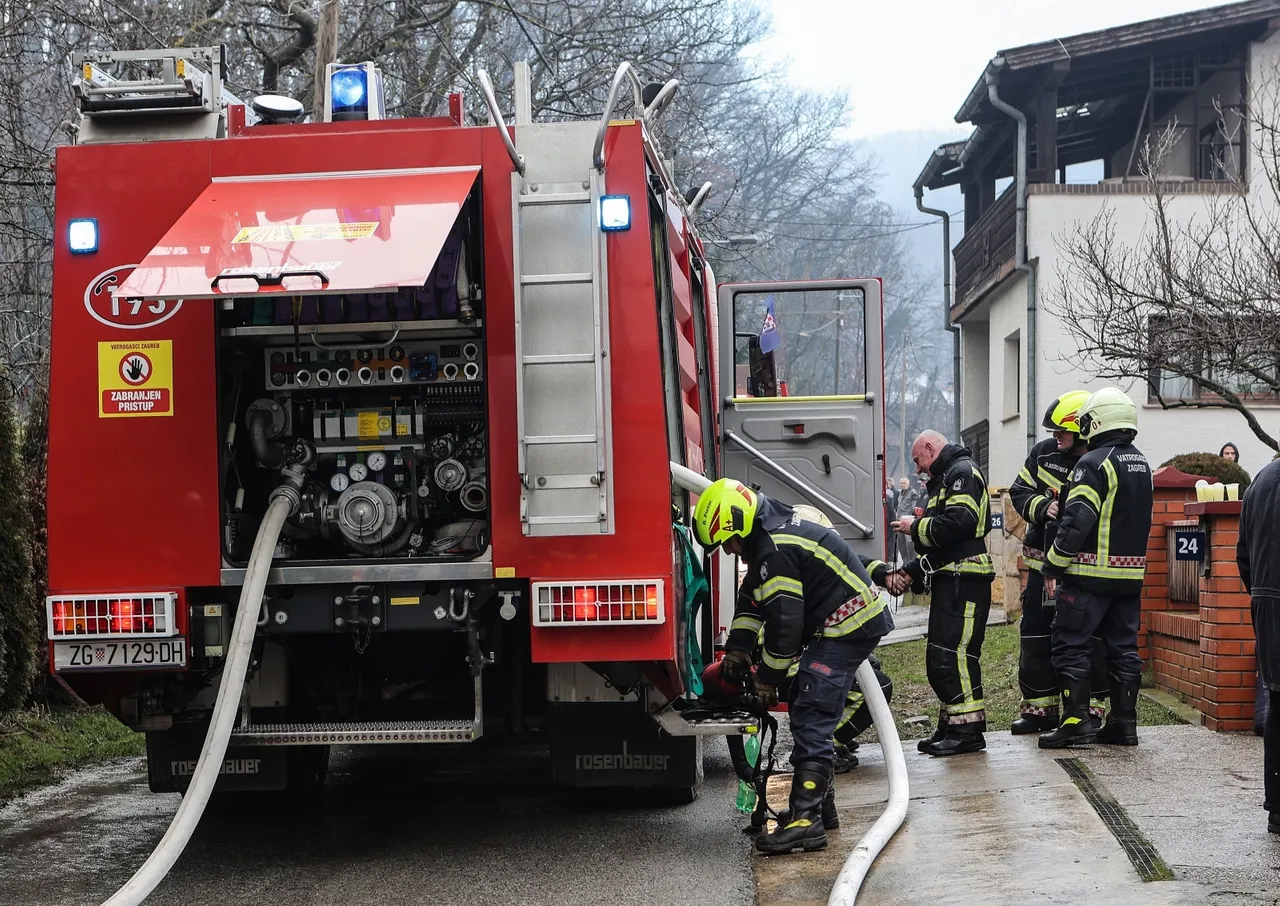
column 394, row 825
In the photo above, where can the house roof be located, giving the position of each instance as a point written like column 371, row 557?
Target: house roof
column 1101, row 78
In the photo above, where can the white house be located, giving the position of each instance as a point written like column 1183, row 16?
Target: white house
column 1086, row 100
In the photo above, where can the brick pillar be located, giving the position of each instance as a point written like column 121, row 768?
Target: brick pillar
column 1226, row 628
column 1173, row 490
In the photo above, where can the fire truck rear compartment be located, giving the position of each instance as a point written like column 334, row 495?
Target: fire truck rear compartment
column 385, row 418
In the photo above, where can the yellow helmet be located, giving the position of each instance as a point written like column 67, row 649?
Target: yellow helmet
column 725, row 510
column 1063, row 413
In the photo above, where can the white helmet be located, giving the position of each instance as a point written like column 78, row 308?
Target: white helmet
column 812, row 514
column 1110, row 409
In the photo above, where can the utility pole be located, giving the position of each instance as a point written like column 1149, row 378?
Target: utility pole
column 902, row 404
column 326, row 53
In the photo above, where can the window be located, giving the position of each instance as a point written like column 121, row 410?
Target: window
column 1241, row 355
column 1013, row 374
column 800, row 343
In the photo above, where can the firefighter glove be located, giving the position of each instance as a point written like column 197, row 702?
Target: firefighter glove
column 766, row 693
column 735, row 667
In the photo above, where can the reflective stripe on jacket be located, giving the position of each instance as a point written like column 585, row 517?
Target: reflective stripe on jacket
column 1105, row 519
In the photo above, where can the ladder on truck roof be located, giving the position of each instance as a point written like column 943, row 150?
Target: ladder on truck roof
column 561, row 281
column 153, row 95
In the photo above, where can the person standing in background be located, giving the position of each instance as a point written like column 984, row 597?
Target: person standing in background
column 1230, row 452
column 908, row 498
column 1258, row 557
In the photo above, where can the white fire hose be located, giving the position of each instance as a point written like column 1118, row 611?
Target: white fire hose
column 856, row 866
column 175, row 839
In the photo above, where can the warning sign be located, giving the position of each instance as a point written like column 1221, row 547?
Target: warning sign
column 304, row 232
column 135, row 379
column 366, row 425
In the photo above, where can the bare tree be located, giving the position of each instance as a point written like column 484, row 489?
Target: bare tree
column 1190, row 309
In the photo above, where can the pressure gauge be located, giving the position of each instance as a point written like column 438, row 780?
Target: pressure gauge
column 339, row 482
column 358, row 472
column 377, row 461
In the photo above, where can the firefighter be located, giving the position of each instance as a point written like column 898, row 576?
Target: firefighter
column 1100, row 553
column 813, row 598
column 1035, row 495
column 953, row 563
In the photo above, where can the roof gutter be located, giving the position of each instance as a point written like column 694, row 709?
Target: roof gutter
column 1020, row 243
column 946, row 306
column 979, row 91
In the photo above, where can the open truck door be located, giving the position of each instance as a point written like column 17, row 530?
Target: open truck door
column 802, row 386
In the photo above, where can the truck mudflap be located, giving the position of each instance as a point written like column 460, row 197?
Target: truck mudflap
column 171, row 760
column 597, row 744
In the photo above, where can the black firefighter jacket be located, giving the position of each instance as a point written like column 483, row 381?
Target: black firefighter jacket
column 957, row 517
column 803, row 580
column 1105, row 519
column 1038, row 485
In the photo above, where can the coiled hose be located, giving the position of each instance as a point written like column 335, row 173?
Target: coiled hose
column 175, row 839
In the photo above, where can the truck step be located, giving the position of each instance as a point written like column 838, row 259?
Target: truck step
column 731, row 724
column 361, row 733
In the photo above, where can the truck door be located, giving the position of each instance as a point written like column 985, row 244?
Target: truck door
column 802, row 385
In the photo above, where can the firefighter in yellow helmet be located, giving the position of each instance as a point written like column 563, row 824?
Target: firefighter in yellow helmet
column 1036, row 495
column 1099, row 555
column 812, row 596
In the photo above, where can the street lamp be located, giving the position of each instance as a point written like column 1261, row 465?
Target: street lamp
column 902, row 405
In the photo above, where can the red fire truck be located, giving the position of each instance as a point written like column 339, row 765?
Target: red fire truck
column 468, row 355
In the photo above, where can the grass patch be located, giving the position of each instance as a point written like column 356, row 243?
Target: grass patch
column 37, row 745
column 912, row 696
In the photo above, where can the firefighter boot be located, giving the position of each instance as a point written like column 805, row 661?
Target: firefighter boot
column 1122, row 723
column 958, row 739
column 804, row 830
column 1035, row 723
column 938, row 732
column 1077, row 728
column 830, row 817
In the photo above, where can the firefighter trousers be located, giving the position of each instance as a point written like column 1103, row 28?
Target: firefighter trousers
column 957, row 628
column 1081, row 615
column 820, row 691
column 1036, row 675
column 856, row 717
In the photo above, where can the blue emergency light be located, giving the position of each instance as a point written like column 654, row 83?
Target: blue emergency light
column 615, row 213
column 355, row 92
column 82, row 236
column 350, row 89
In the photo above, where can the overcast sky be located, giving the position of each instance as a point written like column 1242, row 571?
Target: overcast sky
column 908, row 64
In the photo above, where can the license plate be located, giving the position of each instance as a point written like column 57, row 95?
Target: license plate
column 107, row 655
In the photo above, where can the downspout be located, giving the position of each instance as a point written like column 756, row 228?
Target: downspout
column 946, row 308
column 1020, row 242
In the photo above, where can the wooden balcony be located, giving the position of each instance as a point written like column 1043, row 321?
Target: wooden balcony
column 987, row 251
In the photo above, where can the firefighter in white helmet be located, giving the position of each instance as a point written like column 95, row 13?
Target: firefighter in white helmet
column 1099, row 557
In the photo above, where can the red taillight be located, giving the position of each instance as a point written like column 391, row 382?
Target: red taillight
column 600, row 603
column 584, row 603
column 92, row 615
column 122, row 617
